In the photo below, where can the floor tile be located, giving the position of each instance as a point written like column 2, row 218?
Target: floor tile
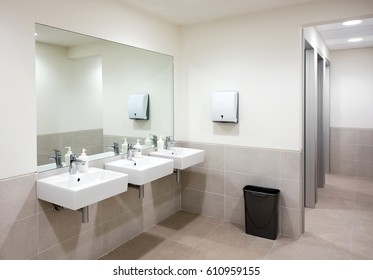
column 339, row 228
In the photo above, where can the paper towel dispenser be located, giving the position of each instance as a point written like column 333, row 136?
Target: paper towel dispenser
column 225, row 106
column 138, row 106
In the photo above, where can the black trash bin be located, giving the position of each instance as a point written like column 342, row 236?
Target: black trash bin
column 261, row 211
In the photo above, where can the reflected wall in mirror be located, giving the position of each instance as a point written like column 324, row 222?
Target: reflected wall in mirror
column 82, row 88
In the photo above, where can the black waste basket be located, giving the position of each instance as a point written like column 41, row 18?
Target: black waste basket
column 261, row 211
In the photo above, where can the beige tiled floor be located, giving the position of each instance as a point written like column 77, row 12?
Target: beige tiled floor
column 340, row 227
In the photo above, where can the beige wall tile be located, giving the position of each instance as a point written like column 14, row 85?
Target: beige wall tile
column 244, row 166
column 120, row 204
column 86, row 246
column 364, row 136
column 178, row 198
column 290, row 222
column 264, row 162
column 235, row 182
column 254, row 161
column 57, row 227
column 290, row 165
column 17, row 198
column 237, row 159
column 365, row 153
column 343, row 152
column 158, row 209
column 290, row 194
column 345, row 167
column 234, row 210
column 159, row 187
column 364, row 168
column 342, row 135
column 19, row 240
column 203, row 179
column 207, row 204
column 351, row 151
column 122, row 228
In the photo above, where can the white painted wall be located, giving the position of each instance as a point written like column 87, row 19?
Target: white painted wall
column 109, row 19
column 351, row 103
column 260, row 55
column 68, row 91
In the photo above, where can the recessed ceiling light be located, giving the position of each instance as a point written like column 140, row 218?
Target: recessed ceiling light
column 352, row 22
column 36, row 34
column 353, row 40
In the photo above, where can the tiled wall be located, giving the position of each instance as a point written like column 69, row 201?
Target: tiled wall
column 214, row 188
column 91, row 140
column 351, row 151
column 31, row 229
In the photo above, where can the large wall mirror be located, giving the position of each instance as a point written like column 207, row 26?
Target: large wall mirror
column 82, row 87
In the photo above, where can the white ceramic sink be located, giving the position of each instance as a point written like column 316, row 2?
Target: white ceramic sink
column 81, row 189
column 142, row 170
column 183, row 157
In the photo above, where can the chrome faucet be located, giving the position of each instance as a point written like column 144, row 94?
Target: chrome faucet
column 74, row 162
column 115, row 147
column 169, row 142
column 130, row 151
column 57, row 158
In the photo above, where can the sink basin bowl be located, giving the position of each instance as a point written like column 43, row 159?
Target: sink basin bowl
column 81, row 189
column 183, row 157
column 142, row 170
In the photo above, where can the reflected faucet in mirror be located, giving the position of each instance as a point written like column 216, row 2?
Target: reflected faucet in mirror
column 169, row 142
column 115, row 148
column 57, row 158
column 154, row 138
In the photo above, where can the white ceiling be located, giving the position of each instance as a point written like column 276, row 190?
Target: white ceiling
column 335, row 35
column 185, row 12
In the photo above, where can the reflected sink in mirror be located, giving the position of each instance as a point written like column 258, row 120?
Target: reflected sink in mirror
column 81, row 189
column 142, row 170
column 182, row 157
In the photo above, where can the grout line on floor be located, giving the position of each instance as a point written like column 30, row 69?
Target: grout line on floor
column 209, row 234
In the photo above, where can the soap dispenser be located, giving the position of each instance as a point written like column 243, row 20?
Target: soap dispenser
column 83, row 156
column 124, row 147
column 138, row 149
column 160, row 144
column 148, row 143
column 67, row 156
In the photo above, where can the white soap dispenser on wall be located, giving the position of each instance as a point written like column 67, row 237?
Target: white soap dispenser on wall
column 160, row 144
column 67, row 156
column 138, row 149
column 83, row 156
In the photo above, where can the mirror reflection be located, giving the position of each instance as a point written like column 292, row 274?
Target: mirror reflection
column 82, row 86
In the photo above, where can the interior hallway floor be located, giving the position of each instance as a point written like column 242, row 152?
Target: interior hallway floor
column 339, row 228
